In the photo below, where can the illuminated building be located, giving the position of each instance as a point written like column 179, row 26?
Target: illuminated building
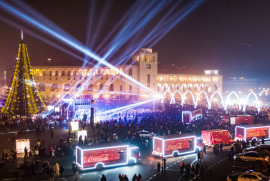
column 51, row 80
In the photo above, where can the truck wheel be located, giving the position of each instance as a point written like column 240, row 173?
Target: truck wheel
column 175, row 154
column 99, row 166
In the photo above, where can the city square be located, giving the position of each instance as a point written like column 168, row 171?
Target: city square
column 134, row 90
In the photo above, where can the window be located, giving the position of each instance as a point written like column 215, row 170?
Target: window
column 148, row 80
column 148, row 66
column 130, row 71
column 100, row 86
column 66, row 87
column 130, row 88
column 147, row 58
column 68, row 73
column 56, row 73
column 111, row 87
column 56, row 78
column 75, row 73
column 153, row 59
column 50, row 73
column 78, row 86
column 44, row 73
column 41, row 87
column 63, row 73
column 54, row 87
column 216, row 87
column 90, row 87
column 74, row 78
column 121, row 88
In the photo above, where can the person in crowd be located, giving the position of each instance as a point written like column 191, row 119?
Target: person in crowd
column 51, row 133
column 61, row 170
column 158, row 167
column 197, row 169
column 32, row 168
column 182, row 167
column 204, row 149
column 162, row 165
column 126, row 178
column 139, row 177
column 199, row 156
column 103, row 178
column 187, row 169
column 134, row 178
column 17, row 172
column 56, row 168
column 192, row 170
column 220, row 147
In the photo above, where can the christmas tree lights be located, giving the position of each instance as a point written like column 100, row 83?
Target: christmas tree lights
column 23, row 98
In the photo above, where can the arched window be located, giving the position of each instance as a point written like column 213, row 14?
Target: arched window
column 216, row 87
column 90, row 87
column 78, row 86
column 41, row 87
column 100, row 86
column 66, row 87
column 54, row 87
column 111, row 87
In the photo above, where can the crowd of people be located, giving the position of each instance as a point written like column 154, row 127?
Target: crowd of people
column 125, row 129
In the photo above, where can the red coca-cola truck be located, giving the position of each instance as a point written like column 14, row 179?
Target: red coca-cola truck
column 241, row 119
column 106, row 155
column 174, row 145
column 248, row 132
column 215, row 136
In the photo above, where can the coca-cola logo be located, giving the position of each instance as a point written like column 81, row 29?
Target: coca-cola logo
column 175, row 146
column 100, row 158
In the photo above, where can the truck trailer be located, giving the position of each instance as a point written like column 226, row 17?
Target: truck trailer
column 174, row 145
column 106, row 155
column 215, row 136
column 248, row 132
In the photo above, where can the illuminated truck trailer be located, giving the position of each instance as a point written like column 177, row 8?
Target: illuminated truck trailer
column 107, row 155
column 174, row 145
column 248, row 132
column 241, row 119
column 215, row 136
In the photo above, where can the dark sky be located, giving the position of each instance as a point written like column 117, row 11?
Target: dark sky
column 216, row 35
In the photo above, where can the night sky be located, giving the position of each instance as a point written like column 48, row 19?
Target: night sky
column 230, row 35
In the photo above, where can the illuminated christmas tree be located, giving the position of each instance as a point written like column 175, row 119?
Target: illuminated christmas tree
column 23, row 98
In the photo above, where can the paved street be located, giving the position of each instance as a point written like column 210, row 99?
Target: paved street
column 147, row 168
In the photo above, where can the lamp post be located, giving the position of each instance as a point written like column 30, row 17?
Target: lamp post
column 92, row 112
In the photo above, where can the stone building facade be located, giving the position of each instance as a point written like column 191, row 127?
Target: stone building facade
column 64, row 81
